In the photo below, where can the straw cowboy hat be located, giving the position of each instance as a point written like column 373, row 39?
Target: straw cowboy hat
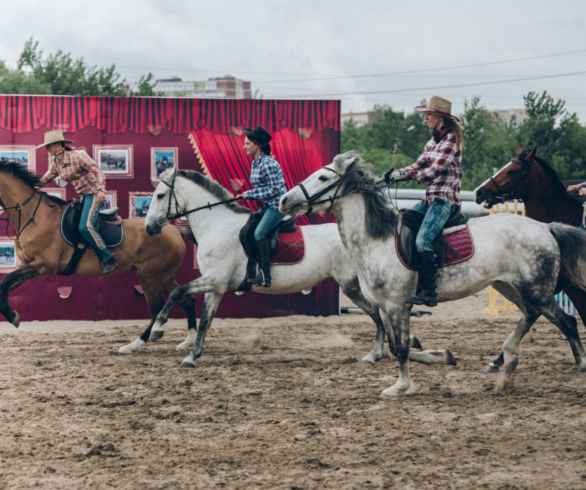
column 54, row 136
column 439, row 106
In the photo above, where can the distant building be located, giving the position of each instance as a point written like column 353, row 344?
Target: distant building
column 511, row 117
column 220, row 87
column 359, row 118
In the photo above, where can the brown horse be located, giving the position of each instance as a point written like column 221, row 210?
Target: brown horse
column 545, row 199
column 36, row 217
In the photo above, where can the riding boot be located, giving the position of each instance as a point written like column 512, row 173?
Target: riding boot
column 425, row 294
column 264, row 261
column 251, row 270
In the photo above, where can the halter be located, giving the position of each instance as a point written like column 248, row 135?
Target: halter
column 178, row 214
column 19, row 207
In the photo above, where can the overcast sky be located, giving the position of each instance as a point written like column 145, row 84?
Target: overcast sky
column 364, row 52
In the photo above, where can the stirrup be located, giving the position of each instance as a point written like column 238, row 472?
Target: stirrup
column 427, row 298
column 262, row 280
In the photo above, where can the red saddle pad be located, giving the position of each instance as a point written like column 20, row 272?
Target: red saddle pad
column 290, row 248
column 461, row 247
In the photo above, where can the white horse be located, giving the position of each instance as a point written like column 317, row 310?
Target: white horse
column 222, row 260
column 520, row 257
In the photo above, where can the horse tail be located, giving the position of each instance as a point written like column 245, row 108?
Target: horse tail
column 572, row 243
column 187, row 233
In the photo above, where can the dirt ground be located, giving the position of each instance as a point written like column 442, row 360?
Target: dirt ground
column 286, row 403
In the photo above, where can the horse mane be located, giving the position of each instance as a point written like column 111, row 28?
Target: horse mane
column 18, row 171
column 381, row 219
column 214, row 188
column 556, row 182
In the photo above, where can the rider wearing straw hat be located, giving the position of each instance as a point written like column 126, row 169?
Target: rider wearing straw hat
column 440, row 167
column 77, row 167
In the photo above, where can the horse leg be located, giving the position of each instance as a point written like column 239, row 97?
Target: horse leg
column 12, row 281
column 154, row 299
column 578, row 298
column 352, row 290
column 210, row 306
column 511, row 348
column 200, row 285
column 188, row 304
column 568, row 325
column 396, row 324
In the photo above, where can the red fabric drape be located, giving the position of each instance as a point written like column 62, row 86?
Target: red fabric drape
column 26, row 113
column 223, row 158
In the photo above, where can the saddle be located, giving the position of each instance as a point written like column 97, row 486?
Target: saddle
column 287, row 244
column 109, row 226
column 451, row 246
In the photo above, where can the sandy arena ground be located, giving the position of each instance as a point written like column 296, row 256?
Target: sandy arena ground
column 286, row 403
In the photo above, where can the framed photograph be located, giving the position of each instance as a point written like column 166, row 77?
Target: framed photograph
column 139, row 204
column 22, row 154
column 8, row 258
column 161, row 160
column 111, row 200
column 115, row 160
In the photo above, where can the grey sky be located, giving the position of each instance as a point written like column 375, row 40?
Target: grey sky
column 370, row 52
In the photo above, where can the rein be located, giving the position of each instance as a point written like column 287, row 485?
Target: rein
column 181, row 214
column 19, row 207
column 315, row 199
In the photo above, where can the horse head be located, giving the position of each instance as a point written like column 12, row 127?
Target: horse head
column 161, row 204
column 320, row 190
column 510, row 182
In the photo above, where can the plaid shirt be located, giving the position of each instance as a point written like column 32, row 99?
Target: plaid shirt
column 79, row 169
column 440, row 166
column 268, row 183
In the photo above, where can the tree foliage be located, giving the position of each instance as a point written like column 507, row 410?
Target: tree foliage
column 393, row 139
column 60, row 74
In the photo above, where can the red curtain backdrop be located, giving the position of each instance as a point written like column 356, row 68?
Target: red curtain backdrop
column 306, row 135
column 300, row 153
column 23, row 114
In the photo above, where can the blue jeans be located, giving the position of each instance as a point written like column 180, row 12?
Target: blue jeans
column 436, row 216
column 269, row 221
column 87, row 227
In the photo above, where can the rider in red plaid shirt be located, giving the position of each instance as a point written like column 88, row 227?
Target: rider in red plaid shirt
column 440, row 167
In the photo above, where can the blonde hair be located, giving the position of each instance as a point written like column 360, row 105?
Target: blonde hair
column 456, row 127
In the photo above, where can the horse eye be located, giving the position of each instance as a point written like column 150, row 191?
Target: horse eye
column 160, row 196
column 512, row 172
column 323, row 178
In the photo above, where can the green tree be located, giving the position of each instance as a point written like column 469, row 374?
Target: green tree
column 488, row 144
column 60, row 74
column 557, row 134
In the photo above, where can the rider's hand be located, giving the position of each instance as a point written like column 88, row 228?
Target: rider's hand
column 100, row 197
column 392, row 176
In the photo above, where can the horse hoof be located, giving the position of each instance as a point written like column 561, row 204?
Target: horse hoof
column 491, row 368
column 370, row 358
column 134, row 346
column 156, row 335
column 187, row 364
column 16, row 320
column 396, row 390
column 450, row 359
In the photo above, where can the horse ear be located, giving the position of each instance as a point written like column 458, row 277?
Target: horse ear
column 532, row 153
column 520, row 150
column 345, row 160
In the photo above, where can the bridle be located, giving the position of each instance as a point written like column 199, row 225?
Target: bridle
column 181, row 214
column 523, row 179
column 315, row 199
column 19, row 207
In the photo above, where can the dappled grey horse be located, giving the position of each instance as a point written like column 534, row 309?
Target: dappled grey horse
column 222, row 261
column 518, row 256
